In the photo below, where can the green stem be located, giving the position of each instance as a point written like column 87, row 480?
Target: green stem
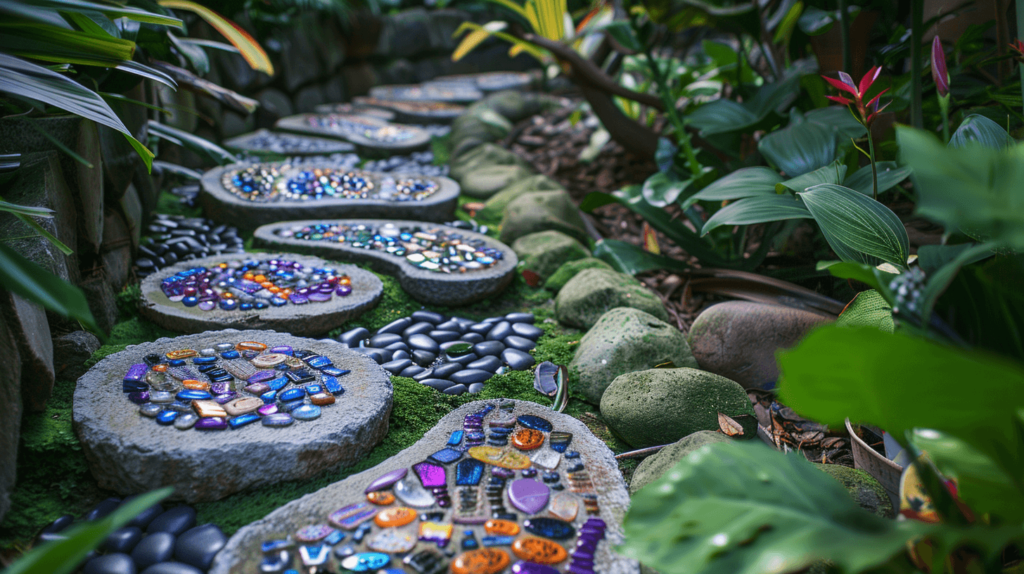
column 916, row 32
column 874, row 168
column 1020, row 32
column 665, row 92
column 844, row 28
column 944, row 108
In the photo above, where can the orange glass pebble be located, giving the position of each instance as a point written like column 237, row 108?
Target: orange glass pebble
column 527, row 439
column 483, row 561
column 539, row 550
column 322, row 399
column 250, row 346
column 266, row 284
column 209, row 409
column 182, row 354
column 397, row 516
column 345, row 280
column 274, row 289
column 501, row 527
column 161, row 368
column 195, row 385
column 381, row 497
column 223, row 265
column 260, row 278
column 226, row 295
column 247, row 276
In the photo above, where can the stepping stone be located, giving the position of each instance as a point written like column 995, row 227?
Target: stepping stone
column 420, row 276
column 415, row 112
column 250, row 195
column 265, row 142
column 163, row 304
column 453, row 93
column 356, row 107
column 489, row 81
column 129, row 453
column 366, row 132
column 461, row 505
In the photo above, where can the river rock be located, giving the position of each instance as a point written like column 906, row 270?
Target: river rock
column 569, row 269
column 542, row 211
column 622, row 341
column 654, row 466
column 475, row 127
column 739, row 339
column 480, row 156
column 489, row 180
column 243, row 552
column 71, row 351
column 594, row 292
column 545, row 251
column 495, row 206
column 128, row 453
column 659, row 406
column 868, row 492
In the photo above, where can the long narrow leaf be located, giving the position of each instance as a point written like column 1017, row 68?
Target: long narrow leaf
column 44, row 233
column 60, row 145
column 759, row 209
column 51, row 44
column 35, row 284
column 745, row 182
column 192, row 142
column 46, row 11
column 147, row 72
column 889, row 176
column 857, row 227
column 247, row 46
column 509, row 4
column 26, row 209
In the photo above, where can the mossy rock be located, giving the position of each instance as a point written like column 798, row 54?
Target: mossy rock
column 622, row 341
column 660, row 406
column 863, row 488
column 488, row 180
column 653, row 467
column 546, row 251
column 476, row 127
column 495, row 206
column 515, row 105
column 542, row 211
column 569, row 269
column 480, row 156
column 594, row 292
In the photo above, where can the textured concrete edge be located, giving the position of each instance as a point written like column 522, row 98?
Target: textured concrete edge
column 330, row 442
column 221, row 205
column 300, row 320
column 424, row 286
column 297, row 124
column 312, row 507
column 239, row 144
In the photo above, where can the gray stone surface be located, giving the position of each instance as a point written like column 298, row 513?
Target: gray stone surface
column 10, row 423
column 71, row 351
column 357, row 108
column 413, row 92
column 263, row 142
column 488, row 82
column 594, row 292
column 301, row 320
column 655, row 466
column 542, row 211
column 31, row 332
column 480, row 156
column 116, row 252
column 739, row 339
column 423, row 285
column 224, row 206
column 477, row 126
column 129, row 453
column 545, row 252
column 242, row 553
column 483, row 183
column 495, row 206
column 300, row 124
column 414, row 112
column 99, row 294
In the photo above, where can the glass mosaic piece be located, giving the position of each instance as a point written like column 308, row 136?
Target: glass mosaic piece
column 469, row 472
column 535, row 423
column 549, row 528
column 386, row 480
column 528, row 495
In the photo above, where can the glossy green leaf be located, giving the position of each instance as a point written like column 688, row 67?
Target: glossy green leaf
column 192, row 142
column 721, row 116
column 665, row 154
column 759, row 209
column 630, row 259
column 868, row 309
column 48, row 12
column 664, row 188
column 857, row 228
column 833, row 173
column 745, row 182
column 52, row 44
column 867, row 274
column 979, row 130
column 35, row 284
column 622, row 32
column 942, row 263
column 810, row 141
column 889, row 176
column 984, row 304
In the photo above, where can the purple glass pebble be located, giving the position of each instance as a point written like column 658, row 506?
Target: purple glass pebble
column 226, row 397
column 502, row 472
column 386, row 480
column 257, row 388
column 221, row 388
column 211, row 423
column 431, row 475
column 528, row 495
column 532, row 568
column 267, row 410
column 281, row 350
column 262, row 376
column 343, row 290
column 319, row 297
column 139, row 397
column 136, row 372
column 298, row 299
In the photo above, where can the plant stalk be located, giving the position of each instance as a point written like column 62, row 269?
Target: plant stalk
column 916, row 32
column 1020, row 32
column 944, row 108
column 673, row 114
column 874, row 168
column 844, row 28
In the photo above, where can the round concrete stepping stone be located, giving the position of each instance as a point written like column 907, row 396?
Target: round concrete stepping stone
column 129, row 453
column 265, row 142
column 454, row 93
column 364, row 131
column 416, row 112
column 591, row 527
column 488, row 82
column 267, row 194
column 356, row 107
column 417, row 279
column 307, row 319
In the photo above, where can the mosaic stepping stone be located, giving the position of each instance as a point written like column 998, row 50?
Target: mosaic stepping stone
column 184, row 297
column 267, row 143
column 416, row 112
column 435, row 264
column 365, row 131
column 450, row 540
column 211, row 457
column 357, row 107
column 458, row 93
column 489, row 81
column 249, row 195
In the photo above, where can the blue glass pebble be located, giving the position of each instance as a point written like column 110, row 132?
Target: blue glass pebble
column 278, row 383
column 469, row 472
column 278, row 302
column 261, row 305
column 242, row 420
column 332, row 385
column 230, row 355
column 228, row 304
column 365, row 561
column 204, row 360
column 572, row 454
column 190, row 301
column 549, row 528
column 334, row 371
column 278, row 420
column 314, row 389
column 489, row 541
column 292, row 394
column 334, row 538
column 306, row 412
column 274, row 545
column 456, row 438
column 535, row 423
column 176, row 363
column 445, row 456
column 166, row 417
column 190, row 395
column 269, row 397
column 290, row 406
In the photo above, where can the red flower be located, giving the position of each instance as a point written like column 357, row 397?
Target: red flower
column 1018, row 47
column 940, row 75
column 867, row 111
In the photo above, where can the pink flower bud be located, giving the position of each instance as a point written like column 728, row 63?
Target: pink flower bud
column 939, row 73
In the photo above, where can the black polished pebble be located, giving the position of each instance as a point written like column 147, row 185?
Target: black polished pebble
column 447, row 370
column 197, row 546
column 352, row 338
column 396, row 326
column 171, row 568
column 122, row 540
column 116, row 563
column 517, row 360
column 175, row 520
column 102, row 509
column 59, row 524
column 517, row 342
column 489, row 348
column 470, row 376
column 456, row 390
column 154, row 548
column 173, row 238
column 527, row 331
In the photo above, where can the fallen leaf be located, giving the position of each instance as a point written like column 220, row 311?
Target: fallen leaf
column 729, row 426
column 532, row 279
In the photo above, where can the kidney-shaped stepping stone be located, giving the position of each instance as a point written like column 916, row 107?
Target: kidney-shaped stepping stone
column 493, row 507
column 363, row 130
column 356, row 107
column 489, row 81
column 220, row 412
column 415, row 112
column 250, row 195
column 434, row 263
column 265, row 142
column 458, row 93
column 298, row 294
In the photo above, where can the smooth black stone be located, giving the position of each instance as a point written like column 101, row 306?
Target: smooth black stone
column 464, row 359
column 49, row 537
column 520, row 318
column 439, row 384
column 423, row 343
column 411, row 371
column 470, row 376
column 489, row 348
column 500, row 331
column 451, row 325
column 417, row 329
column 176, row 520
column 476, row 388
column 446, row 370
column 147, row 251
column 102, row 509
column 400, row 355
column 472, row 337
column 154, row 548
column 481, row 328
column 122, row 539
column 423, row 358
column 352, row 338
column 110, row 564
column 59, row 524
column 424, row 375
column 455, row 390
column 171, row 258
column 489, row 363
column 517, row 360
column 492, row 320
column 183, row 233
column 144, row 263
column 428, row 316
column 515, row 342
column 444, row 336
column 197, row 546
column 171, row 568
column 375, row 354
column 395, row 367
column 396, row 326
column 464, row 323
column 384, row 340
column 527, row 330
column 399, row 346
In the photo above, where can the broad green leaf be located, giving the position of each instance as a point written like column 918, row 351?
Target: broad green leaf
column 622, row 32
column 810, row 141
column 867, row 274
column 857, row 228
column 868, row 309
column 48, row 12
column 52, row 44
column 745, row 182
column 899, row 383
column 663, row 188
column 630, row 259
column 758, row 209
column 889, row 176
column 721, row 116
column 247, row 46
column 665, row 154
column 192, row 142
column 942, row 263
column 33, row 283
column 833, row 173
column 977, row 129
